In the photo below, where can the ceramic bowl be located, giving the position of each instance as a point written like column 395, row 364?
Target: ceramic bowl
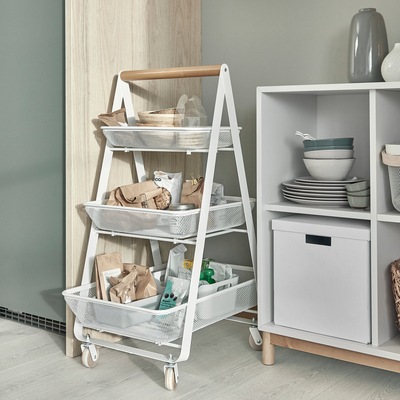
column 335, row 142
column 357, row 186
column 334, row 153
column 329, row 169
column 358, row 201
column 316, row 148
column 359, row 193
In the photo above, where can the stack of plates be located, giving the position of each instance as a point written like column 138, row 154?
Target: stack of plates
column 307, row 190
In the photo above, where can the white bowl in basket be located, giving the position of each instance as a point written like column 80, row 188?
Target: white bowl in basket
column 329, row 169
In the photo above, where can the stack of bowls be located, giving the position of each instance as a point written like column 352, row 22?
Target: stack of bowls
column 358, row 194
column 329, row 159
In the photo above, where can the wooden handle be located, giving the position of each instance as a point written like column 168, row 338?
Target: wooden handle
column 170, row 73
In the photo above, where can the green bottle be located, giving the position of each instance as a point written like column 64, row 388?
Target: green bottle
column 206, row 275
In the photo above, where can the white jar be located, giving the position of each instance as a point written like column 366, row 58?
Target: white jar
column 184, row 224
column 390, row 68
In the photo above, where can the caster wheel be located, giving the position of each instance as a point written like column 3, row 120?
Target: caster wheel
column 169, row 379
column 87, row 359
column 253, row 344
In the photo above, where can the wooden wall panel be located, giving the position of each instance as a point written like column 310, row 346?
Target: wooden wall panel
column 104, row 37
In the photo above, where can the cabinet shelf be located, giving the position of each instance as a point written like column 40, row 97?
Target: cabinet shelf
column 286, row 207
column 369, row 113
column 390, row 216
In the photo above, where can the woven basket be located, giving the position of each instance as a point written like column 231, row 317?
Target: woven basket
column 395, row 271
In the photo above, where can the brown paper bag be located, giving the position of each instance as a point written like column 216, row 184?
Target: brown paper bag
column 192, row 192
column 140, row 195
column 116, row 118
column 123, row 290
column 107, row 266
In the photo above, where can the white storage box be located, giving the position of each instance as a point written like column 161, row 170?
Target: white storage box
column 143, row 137
column 322, row 276
column 165, row 223
column 208, row 310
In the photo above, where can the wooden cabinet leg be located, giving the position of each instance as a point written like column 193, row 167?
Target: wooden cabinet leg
column 268, row 349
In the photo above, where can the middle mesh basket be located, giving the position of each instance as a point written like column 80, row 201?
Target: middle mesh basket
column 164, row 223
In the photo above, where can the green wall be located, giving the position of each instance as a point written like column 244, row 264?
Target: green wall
column 32, row 157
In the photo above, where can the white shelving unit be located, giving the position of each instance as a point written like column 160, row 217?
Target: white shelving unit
column 142, row 320
column 369, row 112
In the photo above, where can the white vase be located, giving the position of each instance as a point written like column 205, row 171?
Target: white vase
column 390, row 68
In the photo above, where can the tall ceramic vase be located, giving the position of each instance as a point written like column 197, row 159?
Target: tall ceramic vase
column 368, row 46
column 391, row 65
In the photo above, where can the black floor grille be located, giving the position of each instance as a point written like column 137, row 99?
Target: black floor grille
column 33, row 320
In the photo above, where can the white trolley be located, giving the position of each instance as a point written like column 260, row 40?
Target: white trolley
column 171, row 329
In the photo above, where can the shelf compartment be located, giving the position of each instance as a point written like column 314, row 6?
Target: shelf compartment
column 369, row 113
column 142, row 320
column 179, row 138
column 343, row 212
column 165, row 223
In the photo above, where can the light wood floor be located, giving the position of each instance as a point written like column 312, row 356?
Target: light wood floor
column 221, row 366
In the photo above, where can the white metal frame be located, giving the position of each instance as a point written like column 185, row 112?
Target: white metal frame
column 123, row 96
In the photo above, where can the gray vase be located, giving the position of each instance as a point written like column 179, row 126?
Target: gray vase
column 368, row 46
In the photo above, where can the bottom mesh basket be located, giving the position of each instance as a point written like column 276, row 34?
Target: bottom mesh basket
column 142, row 319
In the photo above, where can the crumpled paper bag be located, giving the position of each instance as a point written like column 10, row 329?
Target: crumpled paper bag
column 135, row 283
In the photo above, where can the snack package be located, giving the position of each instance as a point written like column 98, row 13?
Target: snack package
column 217, row 194
column 221, row 271
column 175, row 293
column 107, row 265
column 175, row 260
column 192, row 110
column 172, row 181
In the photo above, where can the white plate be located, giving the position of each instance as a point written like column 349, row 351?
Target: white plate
column 298, row 193
column 335, row 203
column 311, row 190
column 310, row 180
column 310, row 187
column 314, row 198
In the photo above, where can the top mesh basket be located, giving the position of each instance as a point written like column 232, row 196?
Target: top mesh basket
column 165, row 137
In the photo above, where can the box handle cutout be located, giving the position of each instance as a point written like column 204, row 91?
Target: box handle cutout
column 320, row 240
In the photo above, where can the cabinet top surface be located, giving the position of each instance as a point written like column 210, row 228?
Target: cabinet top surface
column 331, row 88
